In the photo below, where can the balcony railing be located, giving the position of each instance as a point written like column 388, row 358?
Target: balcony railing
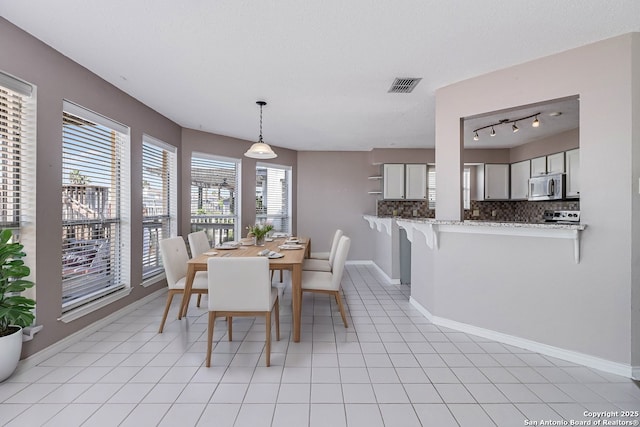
column 218, row 228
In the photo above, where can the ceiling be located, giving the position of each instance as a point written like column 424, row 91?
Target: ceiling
column 324, row 67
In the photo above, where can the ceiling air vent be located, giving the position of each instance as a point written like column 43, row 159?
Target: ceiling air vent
column 404, row 84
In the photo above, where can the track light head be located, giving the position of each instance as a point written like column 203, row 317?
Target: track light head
column 475, row 136
column 515, row 128
column 536, row 123
column 493, row 132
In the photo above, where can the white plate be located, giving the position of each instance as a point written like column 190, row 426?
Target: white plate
column 290, row 241
column 226, row 247
column 290, row 247
column 211, row 253
column 276, row 255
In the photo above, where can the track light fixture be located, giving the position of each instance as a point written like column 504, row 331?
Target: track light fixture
column 514, row 127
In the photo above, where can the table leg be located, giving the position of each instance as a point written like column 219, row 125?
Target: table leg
column 191, row 274
column 296, row 297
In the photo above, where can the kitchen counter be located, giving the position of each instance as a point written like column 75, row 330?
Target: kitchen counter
column 432, row 228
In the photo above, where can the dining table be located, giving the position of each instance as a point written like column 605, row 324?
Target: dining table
column 293, row 252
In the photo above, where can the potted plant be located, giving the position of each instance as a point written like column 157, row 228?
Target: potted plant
column 16, row 311
column 259, row 232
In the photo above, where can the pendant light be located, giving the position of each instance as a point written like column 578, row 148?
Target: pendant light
column 260, row 149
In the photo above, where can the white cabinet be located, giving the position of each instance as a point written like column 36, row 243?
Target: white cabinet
column 415, row 182
column 405, row 182
column 393, row 181
column 573, row 172
column 555, row 163
column 520, row 173
column 539, row 166
column 496, row 181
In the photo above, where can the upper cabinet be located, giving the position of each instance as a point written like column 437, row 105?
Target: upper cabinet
column 555, row 163
column 405, row 182
column 393, row 181
column 496, row 181
column 573, row 172
column 415, row 182
column 520, row 173
column 539, row 166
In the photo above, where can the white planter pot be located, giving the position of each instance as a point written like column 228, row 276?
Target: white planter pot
column 10, row 349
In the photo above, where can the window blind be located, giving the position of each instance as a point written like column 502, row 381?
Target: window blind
column 159, row 200
column 431, row 186
column 273, row 196
column 15, row 110
column 214, row 197
column 94, row 178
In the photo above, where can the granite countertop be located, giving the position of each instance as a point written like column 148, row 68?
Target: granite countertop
column 489, row 223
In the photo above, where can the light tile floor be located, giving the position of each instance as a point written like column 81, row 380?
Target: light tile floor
column 391, row 367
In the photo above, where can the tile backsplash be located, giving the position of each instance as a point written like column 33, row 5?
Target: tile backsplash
column 502, row 211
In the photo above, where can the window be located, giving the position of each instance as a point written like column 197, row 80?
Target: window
column 431, row 186
column 17, row 163
column 17, row 108
column 95, row 214
column 159, row 201
column 214, row 196
column 466, row 188
column 273, row 193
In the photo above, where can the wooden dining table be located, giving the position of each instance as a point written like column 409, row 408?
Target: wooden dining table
column 292, row 261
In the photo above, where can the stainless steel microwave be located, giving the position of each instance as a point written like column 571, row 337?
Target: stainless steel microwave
column 547, row 187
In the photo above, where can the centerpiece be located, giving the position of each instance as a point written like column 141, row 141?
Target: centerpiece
column 259, row 231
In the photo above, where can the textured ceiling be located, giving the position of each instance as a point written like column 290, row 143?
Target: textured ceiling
column 324, row 67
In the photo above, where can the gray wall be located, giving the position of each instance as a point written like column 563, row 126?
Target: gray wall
column 332, row 194
column 58, row 78
column 593, row 312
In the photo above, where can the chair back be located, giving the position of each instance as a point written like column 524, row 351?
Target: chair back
column 239, row 284
column 198, row 243
column 334, row 246
column 338, row 265
column 174, row 259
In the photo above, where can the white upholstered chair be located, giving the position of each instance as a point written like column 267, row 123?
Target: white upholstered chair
column 240, row 286
column 198, row 243
column 328, row 282
column 317, row 262
column 174, row 259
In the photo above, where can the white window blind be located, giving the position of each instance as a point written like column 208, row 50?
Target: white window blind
column 431, row 186
column 159, row 199
column 273, row 195
column 95, row 183
column 214, row 197
column 17, row 159
column 466, row 188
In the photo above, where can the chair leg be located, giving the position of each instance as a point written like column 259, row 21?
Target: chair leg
column 212, row 321
column 277, row 306
column 272, row 271
column 280, row 276
column 341, row 307
column 230, row 327
column 199, row 297
column 267, row 350
column 166, row 310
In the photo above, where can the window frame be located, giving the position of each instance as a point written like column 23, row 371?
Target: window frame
column 288, row 173
column 114, row 250
column 167, row 221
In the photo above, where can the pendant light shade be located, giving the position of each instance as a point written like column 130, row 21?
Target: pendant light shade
column 260, row 149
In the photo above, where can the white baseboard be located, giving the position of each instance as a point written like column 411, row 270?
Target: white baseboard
column 382, row 273
column 559, row 353
column 60, row 345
